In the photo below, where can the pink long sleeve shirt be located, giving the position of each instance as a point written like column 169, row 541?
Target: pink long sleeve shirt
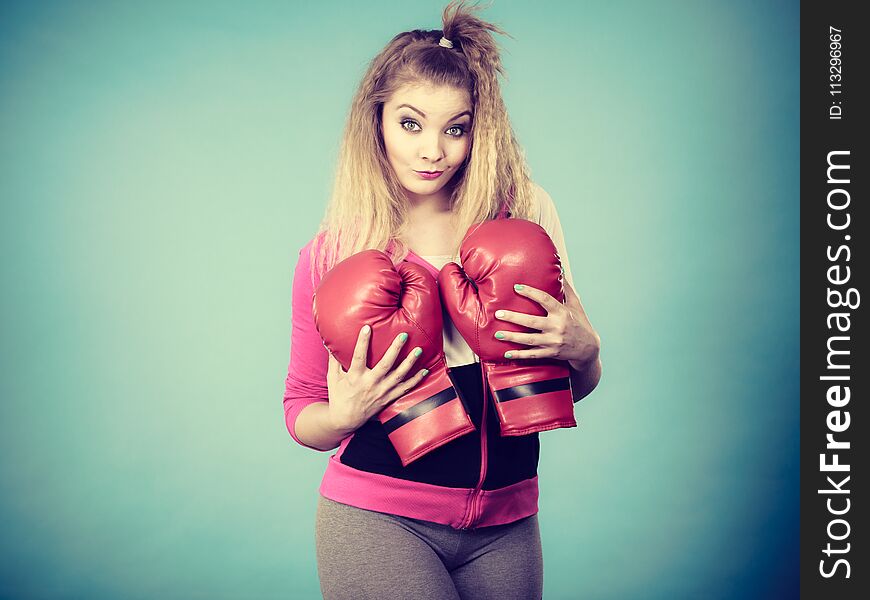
column 477, row 480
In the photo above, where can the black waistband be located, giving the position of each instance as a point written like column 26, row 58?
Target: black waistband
column 510, row 459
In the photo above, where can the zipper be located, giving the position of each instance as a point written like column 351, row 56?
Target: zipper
column 475, row 494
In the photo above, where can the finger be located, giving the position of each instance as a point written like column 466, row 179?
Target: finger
column 540, row 296
column 526, row 339
column 389, row 358
column 334, row 371
column 527, row 354
column 335, row 366
column 330, row 369
column 530, row 321
column 361, row 350
column 406, row 386
column 401, row 372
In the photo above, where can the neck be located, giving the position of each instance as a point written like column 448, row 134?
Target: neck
column 430, row 204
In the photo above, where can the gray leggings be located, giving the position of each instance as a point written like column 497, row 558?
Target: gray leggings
column 362, row 554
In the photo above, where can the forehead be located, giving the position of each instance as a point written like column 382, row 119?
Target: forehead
column 433, row 100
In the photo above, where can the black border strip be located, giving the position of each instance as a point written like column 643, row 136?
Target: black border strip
column 834, row 228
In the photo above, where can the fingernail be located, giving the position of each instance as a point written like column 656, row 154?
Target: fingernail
column 499, row 335
column 507, row 354
column 418, row 351
column 403, row 337
column 425, row 372
column 518, row 286
column 499, row 314
column 366, row 328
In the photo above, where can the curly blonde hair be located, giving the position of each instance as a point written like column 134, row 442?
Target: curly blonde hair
column 368, row 207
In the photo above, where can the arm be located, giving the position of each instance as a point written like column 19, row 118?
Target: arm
column 315, row 430
column 306, row 398
column 586, row 374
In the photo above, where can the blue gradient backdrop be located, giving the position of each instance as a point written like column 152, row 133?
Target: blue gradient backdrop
column 162, row 163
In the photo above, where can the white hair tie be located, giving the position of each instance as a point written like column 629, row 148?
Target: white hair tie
column 445, row 43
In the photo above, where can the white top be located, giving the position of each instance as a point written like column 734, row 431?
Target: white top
column 456, row 350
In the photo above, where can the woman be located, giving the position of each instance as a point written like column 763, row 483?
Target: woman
column 427, row 152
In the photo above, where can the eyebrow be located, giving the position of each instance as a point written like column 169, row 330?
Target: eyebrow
column 417, row 110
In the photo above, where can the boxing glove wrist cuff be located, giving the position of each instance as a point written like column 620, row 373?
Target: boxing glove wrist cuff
column 531, row 396
column 427, row 417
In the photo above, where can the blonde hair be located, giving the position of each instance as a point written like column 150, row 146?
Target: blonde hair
column 368, row 207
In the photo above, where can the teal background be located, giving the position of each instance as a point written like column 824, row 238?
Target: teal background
column 161, row 164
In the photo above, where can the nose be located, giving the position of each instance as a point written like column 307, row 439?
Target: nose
column 430, row 146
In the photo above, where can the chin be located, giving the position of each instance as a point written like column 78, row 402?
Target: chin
column 426, row 187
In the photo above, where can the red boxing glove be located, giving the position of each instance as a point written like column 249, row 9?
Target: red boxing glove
column 530, row 395
column 368, row 288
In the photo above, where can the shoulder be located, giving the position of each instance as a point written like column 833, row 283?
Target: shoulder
column 316, row 242
column 304, row 261
column 544, row 207
column 304, row 265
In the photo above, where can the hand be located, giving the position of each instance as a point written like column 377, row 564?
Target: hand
column 565, row 332
column 359, row 393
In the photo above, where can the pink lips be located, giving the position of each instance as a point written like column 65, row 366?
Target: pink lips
column 428, row 175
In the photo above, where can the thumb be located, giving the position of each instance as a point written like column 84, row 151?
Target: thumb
column 570, row 295
column 572, row 301
column 334, row 371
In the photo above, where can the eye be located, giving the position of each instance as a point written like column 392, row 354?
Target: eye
column 411, row 125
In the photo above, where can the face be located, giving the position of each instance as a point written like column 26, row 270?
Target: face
column 427, row 128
